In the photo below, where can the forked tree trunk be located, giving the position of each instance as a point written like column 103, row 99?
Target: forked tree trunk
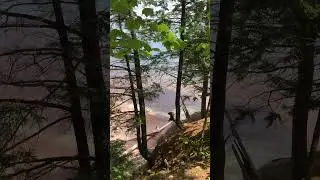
column 142, row 107
column 76, row 113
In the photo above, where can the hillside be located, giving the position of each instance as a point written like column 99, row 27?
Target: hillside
column 182, row 154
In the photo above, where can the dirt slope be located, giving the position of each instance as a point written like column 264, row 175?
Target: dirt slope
column 180, row 162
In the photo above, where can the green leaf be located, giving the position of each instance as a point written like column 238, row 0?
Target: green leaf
column 176, row 45
column 132, row 3
column 163, row 28
column 133, row 24
column 119, row 6
column 114, row 33
column 166, row 44
column 134, row 44
column 154, row 26
column 123, row 43
column 147, row 47
column 202, row 46
column 182, row 44
column 146, row 53
column 170, row 36
column 147, row 11
column 114, row 44
column 119, row 55
column 123, row 6
column 180, row 29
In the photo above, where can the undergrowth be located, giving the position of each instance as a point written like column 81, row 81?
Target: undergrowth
column 198, row 149
column 121, row 166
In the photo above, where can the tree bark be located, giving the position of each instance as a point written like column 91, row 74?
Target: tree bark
column 76, row 113
column 300, row 115
column 205, row 119
column 134, row 100
column 181, row 59
column 141, row 119
column 142, row 115
column 218, row 84
column 305, row 55
column 99, row 94
column 186, row 112
column 205, row 84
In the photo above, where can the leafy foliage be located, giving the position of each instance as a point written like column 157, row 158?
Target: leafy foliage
column 198, row 149
column 121, row 166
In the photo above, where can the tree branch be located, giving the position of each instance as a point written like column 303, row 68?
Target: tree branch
column 36, row 102
column 36, row 3
column 44, row 83
column 35, row 134
column 52, row 159
column 25, row 170
column 37, row 51
column 39, row 19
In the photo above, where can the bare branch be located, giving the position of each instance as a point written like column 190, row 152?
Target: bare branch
column 273, row 69
column 36, row 3
column 36, row 102
column 44, row 83
column 3, row 26
column 32, row 82
column 26, row 170
column 52, row 159
column 35, row 51
column 36, row 133
column 39, row 19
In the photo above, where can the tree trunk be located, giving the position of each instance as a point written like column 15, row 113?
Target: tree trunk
column 315, row 142
column 134, row 99
column 142, row 118
column 135, row 106
column 218, row 85
column 300, row 114
column 76, row 113
column 99, row 95
column 181, row 59
column 305, row 57
column 205, row 119
column 204, row 94
column 185, row 110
